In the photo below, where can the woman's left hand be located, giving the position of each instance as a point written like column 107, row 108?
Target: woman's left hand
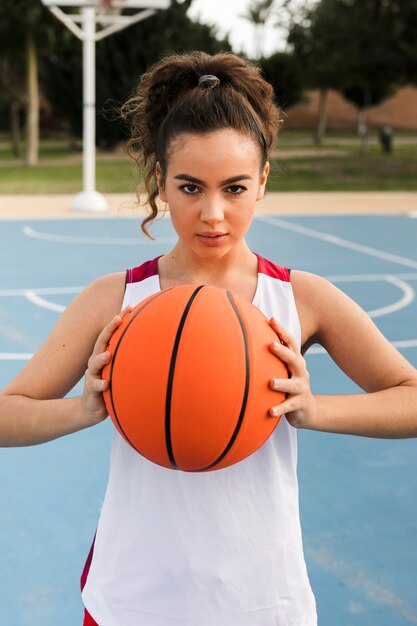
column 299, row 405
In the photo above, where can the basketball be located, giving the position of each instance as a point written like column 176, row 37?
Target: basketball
column 189, row 378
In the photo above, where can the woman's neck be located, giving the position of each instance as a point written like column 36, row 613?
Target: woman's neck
column 237, row 273
column 186, row 266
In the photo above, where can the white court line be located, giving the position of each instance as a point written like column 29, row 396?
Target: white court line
column 314, row 350
column 369, row 277
column 408, row 292
column 34, row 294
column 102, row 241
column 15, row 356
column 46, row 291
column 45, row 304
column 408, row 297
column 338, row 241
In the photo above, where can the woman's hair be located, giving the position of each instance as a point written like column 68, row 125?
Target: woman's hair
column 196, row 93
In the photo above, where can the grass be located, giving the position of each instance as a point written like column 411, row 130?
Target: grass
column 375, row 172
column 111, row 177
column 298, row 166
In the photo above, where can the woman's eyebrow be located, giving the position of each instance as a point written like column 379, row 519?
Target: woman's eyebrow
column 198, row 181
column 190, row 179
column 235, row 179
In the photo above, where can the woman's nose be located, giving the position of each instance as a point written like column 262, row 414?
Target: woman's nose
column 212, row 211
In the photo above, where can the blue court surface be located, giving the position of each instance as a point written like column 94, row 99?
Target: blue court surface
column 357, row 496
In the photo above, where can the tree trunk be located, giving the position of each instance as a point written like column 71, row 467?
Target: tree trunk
column 15, row 128
column 322, row 118
column 363, row 122
column 363, row 131
column 32, row 124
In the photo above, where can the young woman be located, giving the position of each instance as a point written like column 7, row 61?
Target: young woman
column 222, row 548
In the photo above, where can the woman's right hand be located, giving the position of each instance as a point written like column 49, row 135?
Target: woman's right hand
column 93, row 406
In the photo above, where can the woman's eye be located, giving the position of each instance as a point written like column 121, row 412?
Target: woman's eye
column 236, row 189
column 190, row 189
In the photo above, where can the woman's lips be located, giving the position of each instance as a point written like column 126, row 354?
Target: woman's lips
column 211, row 238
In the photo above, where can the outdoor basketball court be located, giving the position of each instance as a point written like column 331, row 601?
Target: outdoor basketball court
column 358, row 496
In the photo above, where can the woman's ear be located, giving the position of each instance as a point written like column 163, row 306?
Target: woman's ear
column 262, row 181
column 160, row 182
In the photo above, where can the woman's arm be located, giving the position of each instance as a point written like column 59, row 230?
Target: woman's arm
column 32, row 408
column 329, row 317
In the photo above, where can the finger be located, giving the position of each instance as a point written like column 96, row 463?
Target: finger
column 290, row 386
column 289, row 405
column 287, row 355
column 106, row 334
column 97, row 362
column 125, row 311
column 286, row 338
column 95, row 385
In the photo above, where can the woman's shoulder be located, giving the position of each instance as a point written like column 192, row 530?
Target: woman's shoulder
column 318, row 301
column 307, row 285
column 97, row 303
column 105, row 293
column 314, row 291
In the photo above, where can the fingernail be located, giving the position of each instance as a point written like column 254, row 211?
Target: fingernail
column 276, row 345
column 275, row 383
column 273, row 412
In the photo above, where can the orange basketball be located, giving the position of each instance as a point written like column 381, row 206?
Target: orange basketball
column 189, row 378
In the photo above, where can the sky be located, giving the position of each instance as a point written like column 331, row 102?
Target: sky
column 225, row 14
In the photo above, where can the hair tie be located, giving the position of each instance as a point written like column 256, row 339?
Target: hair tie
column 209, row 81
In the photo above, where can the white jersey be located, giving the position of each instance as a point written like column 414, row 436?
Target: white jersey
column 219, row 548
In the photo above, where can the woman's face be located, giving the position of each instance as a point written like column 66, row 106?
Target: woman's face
column 211, row 185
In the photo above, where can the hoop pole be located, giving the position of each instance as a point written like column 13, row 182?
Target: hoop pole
column 89, row 199
column 89, row 97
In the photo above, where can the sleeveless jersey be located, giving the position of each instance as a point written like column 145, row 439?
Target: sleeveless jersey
column 221, row 548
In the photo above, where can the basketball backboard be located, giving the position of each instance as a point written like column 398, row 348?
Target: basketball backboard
column 117, row 4
column 108, row 14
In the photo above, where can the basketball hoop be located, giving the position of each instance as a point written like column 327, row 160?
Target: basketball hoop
column 95, row 20
column 107, row 12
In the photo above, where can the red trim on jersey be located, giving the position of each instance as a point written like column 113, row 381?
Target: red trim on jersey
column 87, row 565
column 147, row 269
column 272, row 269
column 150, row 268
column 88, row 620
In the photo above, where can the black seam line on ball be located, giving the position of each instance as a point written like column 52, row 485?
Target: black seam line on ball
column 113, row 363
column 246, row 391
column 168, row 438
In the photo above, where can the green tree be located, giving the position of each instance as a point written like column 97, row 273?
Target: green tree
column 353, row 46
column 12, row 94
column 25, row 29
column 372, row 69
column 319, row 49
column 406, row 41
column 62, row 82
column 282, row 70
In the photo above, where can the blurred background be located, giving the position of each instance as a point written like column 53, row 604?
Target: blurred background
column 344, row 74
